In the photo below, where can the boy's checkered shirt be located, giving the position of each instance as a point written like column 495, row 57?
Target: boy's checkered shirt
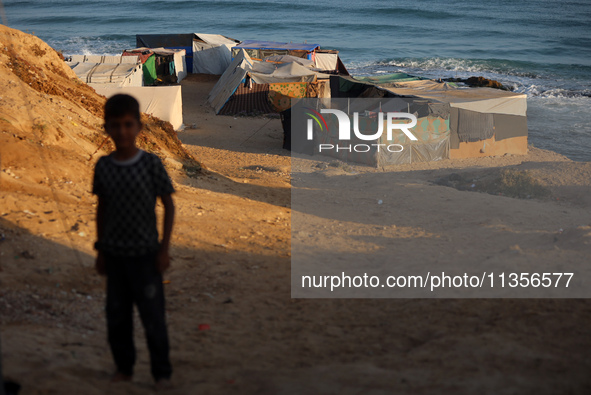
column 128, row 190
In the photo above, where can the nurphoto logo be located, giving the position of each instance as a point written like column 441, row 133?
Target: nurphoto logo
column 344, row 129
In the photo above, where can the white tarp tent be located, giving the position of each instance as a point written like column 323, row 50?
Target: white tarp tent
column 212, row 53
column 164, row 102
column 105, row 59
column 259, row 72
column 180, row 63
column 483, row 100
column 476, row 114
column 269, row 73
column 229, row 81
column 289, row 59
column 326, row 61
column 179, row 58
column 109, row 74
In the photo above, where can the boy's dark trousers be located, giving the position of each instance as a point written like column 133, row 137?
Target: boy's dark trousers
column 1, row 379
column 136, row 280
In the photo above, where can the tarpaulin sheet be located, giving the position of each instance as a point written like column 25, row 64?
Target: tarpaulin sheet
column 143, row 53
column 149, row 68
column 215, row 39
column 432, row 145
column 164, row 102
column 212, row 53
column 474, row 126
column 454, row 139
column 289, row 58
column 210, row 59
column 508, row 126
column 179, row 56
column 109, row 74
column 280, row 94
column 485, row 100
column 326, row 61
column 164, row 40
column 229, row 81
column 389, row 78
column 256, row 44
column 268, row 73
column 175, row 41
column 249, row 100
column 105, row 59
column 342, row 86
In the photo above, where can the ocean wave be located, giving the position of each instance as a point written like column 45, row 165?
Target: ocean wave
column 95, row 45
column 502, row 66
column 231, row 5
column 559, row 93
column 533, row 79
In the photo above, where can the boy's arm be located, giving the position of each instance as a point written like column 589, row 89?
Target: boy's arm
column 100, row 215
column 163, row 256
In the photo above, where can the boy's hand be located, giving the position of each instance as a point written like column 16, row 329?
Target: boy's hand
column 100, row 264
column 162, row 260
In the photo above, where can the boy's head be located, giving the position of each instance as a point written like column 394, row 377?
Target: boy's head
column 122, row 120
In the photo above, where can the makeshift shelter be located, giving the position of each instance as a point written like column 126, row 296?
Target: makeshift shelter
column 249, row 86
column 169, row 41
column 266, row 73
column 204, row 53
column 258, row 50
column 212, row 53
column 482, row 121
column 328, row 61
column 112, row 71
column 432, row 130
column 113, row 59
column 164, row 102
column 289, row 59
column 161, row 65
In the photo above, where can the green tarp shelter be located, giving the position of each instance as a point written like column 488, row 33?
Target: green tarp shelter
column 149, row 68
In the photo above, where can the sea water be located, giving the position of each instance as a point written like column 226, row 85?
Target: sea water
column 541, row 48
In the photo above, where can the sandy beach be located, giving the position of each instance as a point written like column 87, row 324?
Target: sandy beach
column 231, row 259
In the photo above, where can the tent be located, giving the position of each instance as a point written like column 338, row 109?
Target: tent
column 170, row 41
column 432, row 130
column 164, row 102
column 104, row 59
column 211, row 50
column 212, row 53
column 266, row 73
column 234, row 75
column 328, row 61
column 483, row 121
column 259, row 50
column 121, row 71
column 480, row 121
column 289, row 59
column 159, row 64
column 249, row 86
column 321, row 60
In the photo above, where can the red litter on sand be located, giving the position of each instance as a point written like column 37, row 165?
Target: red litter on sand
column 204, row 327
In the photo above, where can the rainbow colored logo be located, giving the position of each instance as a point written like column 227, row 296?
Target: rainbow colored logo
column 315, row 115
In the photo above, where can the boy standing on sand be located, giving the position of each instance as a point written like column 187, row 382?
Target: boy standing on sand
column 127, row 183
